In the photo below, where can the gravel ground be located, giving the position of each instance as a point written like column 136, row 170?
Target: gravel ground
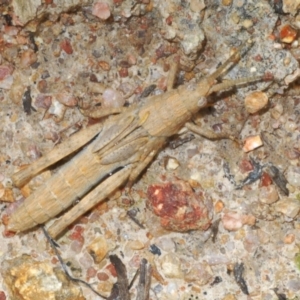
column 216, row 213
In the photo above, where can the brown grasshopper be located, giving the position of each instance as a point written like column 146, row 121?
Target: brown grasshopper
column 113, row 153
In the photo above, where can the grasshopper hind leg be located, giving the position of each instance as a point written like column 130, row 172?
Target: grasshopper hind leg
column 150, row 150
column 97, row 195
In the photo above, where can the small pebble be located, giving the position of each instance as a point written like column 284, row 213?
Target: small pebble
column 248, row 219
column 233, row 221
column 171, row 266
column 265, row 179
column 56, row 109
column 91, row 272
column 288, row 207
column 291, row 6
column 102, row 276
column 112, row 98
column 154, row 250
column 197, row 6
column 277, row 111
column 172, row 163
column 290, row 126
column 42, row 86
column 288, row 34
column 76, row 246
column 226, row 2
column 201, row 274
column 287, row 60
column 135, row 261
column 292, row 153
column 28, row 57
column 268, row 194
column 98, row 249
column 219, row 206
column 86, row 260
column 293, row 176
column 105, row 287
column 245, row 166
column 289, row 238
column 123, row 72
column 292, row 77
column 66, row 46
column 247, row 23
column 5, row 71
column 135, row 245
column 229, row 297
column 172, row 290
column 101, row 10
column 235, row 18
column 251, row 143
column 105, row 66
column 165, row 243
column 256, row 101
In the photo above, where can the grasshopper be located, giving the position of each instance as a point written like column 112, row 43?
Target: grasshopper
column 113, row 153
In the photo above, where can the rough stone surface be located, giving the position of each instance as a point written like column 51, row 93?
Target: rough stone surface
column 291, row 6
column 28, row 279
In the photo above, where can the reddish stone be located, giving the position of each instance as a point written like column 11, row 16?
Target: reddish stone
column 169, row 20
column 112, row 270
column 12, row 31
column 127, row 201
column 266, row 179
column 104, row 65
column 123, row 72
column 79, row 229
column 66, row 46
column 42, row 86
column 77, row 234
column 5, row 71
column 135, row 261
column 245, row 166
column 288, row 34
column 43, row 101
column 54, row 260
column 6, row 233
column 268, row 76
column 162, row 83
column 2, row 295
column 258, row 57
column 102, row 276
column 91, row 273
column 160, row 52
column 138, row 90
column 178, row 207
